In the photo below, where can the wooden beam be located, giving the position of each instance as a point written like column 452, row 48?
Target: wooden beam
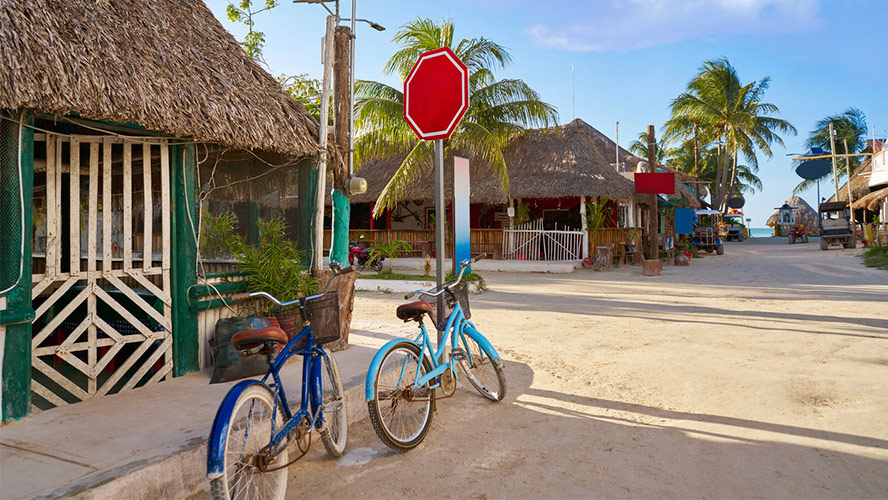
column 75, row 206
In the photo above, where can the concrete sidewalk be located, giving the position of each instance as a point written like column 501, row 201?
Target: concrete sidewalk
column 151, row 442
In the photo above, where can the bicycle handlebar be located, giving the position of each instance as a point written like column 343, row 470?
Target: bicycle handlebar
column 338, row 270
column 463, row 265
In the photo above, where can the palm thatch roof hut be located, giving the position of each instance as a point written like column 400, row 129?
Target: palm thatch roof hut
column 572, row 161
column 804, row 214
column 164, row 65
column 132, row 98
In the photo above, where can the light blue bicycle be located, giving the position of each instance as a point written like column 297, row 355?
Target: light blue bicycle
column 404, row 375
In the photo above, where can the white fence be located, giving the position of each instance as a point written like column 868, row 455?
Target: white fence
column 531, row 242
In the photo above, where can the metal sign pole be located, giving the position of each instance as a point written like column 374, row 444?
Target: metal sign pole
column 440, row 220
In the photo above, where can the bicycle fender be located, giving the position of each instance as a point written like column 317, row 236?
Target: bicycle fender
column 370, row 385
column 219, row 431
column 470, row 330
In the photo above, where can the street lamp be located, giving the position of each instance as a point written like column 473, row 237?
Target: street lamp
column 351, row 82
column 354, row 185
column 351, row 92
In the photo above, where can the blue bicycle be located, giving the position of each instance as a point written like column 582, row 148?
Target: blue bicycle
column 255, row 430
column 404, row 375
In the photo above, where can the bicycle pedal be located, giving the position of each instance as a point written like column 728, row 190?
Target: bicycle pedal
column 333, row 406
column 458, row 354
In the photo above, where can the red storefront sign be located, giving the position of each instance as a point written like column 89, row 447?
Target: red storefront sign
column 655, row 183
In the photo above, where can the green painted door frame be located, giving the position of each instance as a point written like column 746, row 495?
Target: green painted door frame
column 17, row 145
column 183, row 187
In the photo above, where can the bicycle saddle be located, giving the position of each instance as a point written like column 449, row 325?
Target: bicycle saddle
column 413, row 311
column 248, row 339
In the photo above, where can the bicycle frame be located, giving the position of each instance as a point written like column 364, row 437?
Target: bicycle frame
column 456, row 328
column 312, row 398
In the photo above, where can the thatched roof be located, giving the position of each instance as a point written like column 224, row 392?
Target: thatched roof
column 871, row 201
column 804, row 214
column 541, row 164
column 859, row 183
column 162, row 64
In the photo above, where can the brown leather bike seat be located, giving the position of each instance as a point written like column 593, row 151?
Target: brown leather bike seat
column 248, row 339
column 413, row 311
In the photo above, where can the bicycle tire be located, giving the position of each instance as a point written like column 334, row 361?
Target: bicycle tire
column 478, row 367
column 335, row 431
column 247, row 434
column 391, row 415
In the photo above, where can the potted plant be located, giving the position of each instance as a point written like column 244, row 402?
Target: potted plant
column 274, row 266
column 632, row 236
column 391, row 251
column 597, row 213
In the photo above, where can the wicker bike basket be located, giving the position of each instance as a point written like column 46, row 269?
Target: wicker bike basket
column 460, row 293
column 322, row 313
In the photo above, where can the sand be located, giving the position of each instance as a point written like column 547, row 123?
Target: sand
column 759, row 374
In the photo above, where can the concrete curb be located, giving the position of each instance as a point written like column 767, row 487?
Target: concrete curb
column 400, row 286
column 151, row 443
column 183, row 473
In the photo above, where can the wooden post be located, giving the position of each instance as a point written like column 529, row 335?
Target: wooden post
column 341, row 117
column 848, row 184
column 832, row 152
column 653, row 252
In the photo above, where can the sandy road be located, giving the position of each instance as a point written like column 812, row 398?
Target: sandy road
column 762, row 373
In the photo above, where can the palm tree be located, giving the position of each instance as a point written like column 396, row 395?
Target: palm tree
column 850, row 127
column 498, row 109
column 717, row 106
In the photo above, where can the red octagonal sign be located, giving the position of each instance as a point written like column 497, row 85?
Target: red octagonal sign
column 436, row 94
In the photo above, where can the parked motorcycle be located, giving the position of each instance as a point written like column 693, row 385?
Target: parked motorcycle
column 360, row 257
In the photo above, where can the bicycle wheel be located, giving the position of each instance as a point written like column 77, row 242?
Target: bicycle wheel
column 249, row 431
column 335, row 428
column 482, row 373
column 401, row 423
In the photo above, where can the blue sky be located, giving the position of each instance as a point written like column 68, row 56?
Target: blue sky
column 631, row 57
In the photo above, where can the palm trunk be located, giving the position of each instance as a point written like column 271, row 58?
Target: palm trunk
column 723, row 180
column 733, row 175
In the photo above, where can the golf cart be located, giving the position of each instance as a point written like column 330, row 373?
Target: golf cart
column 835, row 225
column 734, row 226
column 793, row 230
column 706, row 235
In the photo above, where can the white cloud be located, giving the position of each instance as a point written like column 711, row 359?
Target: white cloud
column 621, row 25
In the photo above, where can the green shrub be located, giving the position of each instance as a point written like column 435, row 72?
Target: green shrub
column 876, row 257
column 275, row 266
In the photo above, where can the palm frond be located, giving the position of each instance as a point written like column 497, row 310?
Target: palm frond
column 419, row 159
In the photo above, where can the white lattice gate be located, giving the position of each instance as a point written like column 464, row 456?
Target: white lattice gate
column 531, row 242
column 103, row 303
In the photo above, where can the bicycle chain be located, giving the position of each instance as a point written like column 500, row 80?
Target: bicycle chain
column 301, row 435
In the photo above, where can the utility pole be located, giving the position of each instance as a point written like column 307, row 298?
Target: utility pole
column 832, row 151
column 617, row 149
column 652, row 220
column 342, row 39
column 317, row 258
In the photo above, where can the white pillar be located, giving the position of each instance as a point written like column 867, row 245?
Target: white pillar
column 585, row 226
